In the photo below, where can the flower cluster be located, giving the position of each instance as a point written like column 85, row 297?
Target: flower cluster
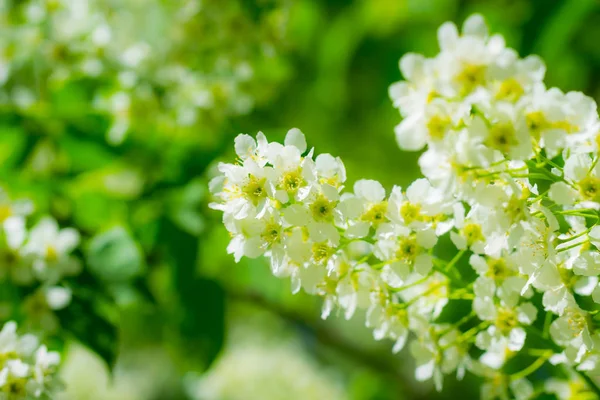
column 522, row 159
column 36, row 257
column 512, row 190
column 140, row 78
column 27, row 370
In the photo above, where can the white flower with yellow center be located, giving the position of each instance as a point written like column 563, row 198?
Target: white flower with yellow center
column 469, row 61
column 27, row 370
column 49, row 248
column 581, row 184
column 388, row 320
column 507, row 320
column 430, row 127
column 502, row 132
column 572, row 388
column 243, row 189
column 426, row 296
column 294, row 176
column 421, row 207
column 469, row 236
column 365, row 208
column 498, row 386
column 253, row 236
column 558, row 120
column 497, row 276
column 412, row 95
column 572, row 328
column 355, row 288
column 436, row 356
column 404, row 253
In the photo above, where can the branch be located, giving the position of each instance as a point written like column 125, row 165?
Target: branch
column 328, row 337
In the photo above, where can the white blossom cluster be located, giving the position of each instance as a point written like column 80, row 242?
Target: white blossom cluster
column 142, row 60
column 37, row 256
column 512, row 186
column 27, row 370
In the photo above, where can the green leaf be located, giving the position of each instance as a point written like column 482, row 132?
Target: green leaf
column 546, row 396
column 82, row 320
column 185, row 207
column 93, row 211
column 13, row 143
column 114, row 256
column 85, row 155
column 201, row 322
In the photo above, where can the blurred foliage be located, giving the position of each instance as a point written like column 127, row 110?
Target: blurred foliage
column 154, row 251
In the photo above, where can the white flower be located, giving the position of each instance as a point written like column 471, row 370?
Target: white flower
column 26, row 370
column 572, row 328
column 404, row 253
column 49, row 248
column 583, row 173
column 504, row 132
column 388, row 321
column 427, row 127
column 559, row 120
column 411, row 96
column 366, row 206
column 435, row 359
column 421, row 207
column 512, row 180
column 507, row 323
column 573, row 388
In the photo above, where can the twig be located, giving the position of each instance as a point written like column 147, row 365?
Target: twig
column 330, row 338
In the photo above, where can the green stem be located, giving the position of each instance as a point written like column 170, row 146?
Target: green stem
column 442, row 267
column 534, row 366
column 454, row 260
column 426, row 293
column 465, row 337
column 570, row 247
column 580, row 234
column 464, row 319
column 547, row 321
column 415, row 283
column 457, row 281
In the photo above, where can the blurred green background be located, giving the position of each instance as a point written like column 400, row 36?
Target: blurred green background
column 191, row 323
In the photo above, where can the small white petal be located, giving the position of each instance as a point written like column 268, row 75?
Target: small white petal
column 475, row 26
column 245, row 146
column 447, row 36
column 58, row 297
column 562, row 194
column 370, row 190
column 296, row 138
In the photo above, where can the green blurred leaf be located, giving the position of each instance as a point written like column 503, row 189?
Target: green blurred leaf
column 82, row 320
column 202, row 301
column 92, row 211
column 71, row 100
column 185, row 207
column 115, row 256
column 13, row 142
column 85, row 155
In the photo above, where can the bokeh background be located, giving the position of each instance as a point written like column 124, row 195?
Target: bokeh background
column 127, row 160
